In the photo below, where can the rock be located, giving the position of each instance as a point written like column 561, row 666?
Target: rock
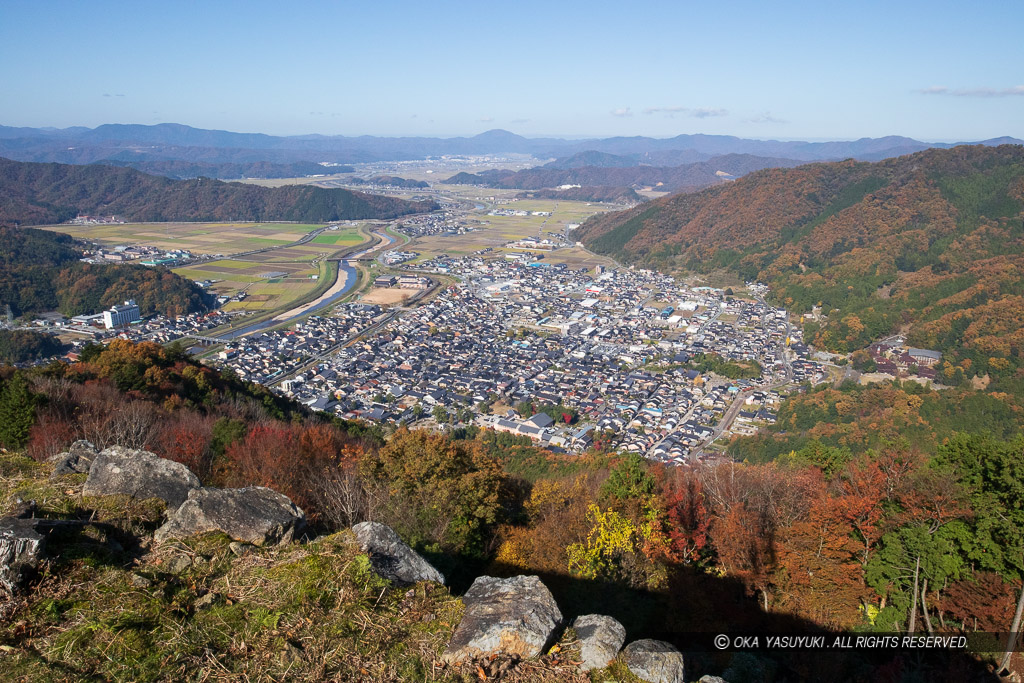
column 391, row 557
column 75, row 460
column 253, row 515
column 24, row 509
column 139, row 581
column 21, row 549
column 712, row 679
column 655, row 661
column 515, row 616
column 240, row 549
column 139, row 474
column 292, row 652
column 601, row 638
column 178, row 564
column 205, row 600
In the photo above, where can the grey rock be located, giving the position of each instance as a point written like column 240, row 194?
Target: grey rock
column 292, row 652
column 21, row 549
column 601, row 638
column 178, row 564
column 139, row 581
column 391, row 557
column 516, row 616
column 77, row 459
column 140, row 474
column 253, row 515
column 240, row 549
column 654, row 661
column 205, row 600
column 712, row 679
column 24, row 509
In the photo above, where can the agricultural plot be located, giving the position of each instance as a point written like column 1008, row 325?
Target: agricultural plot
column 267, row 286
column 270, row 280
column 199, row 238
column 342, row 238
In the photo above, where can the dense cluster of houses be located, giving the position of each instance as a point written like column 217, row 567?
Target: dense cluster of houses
column 448, row 221
column 618, row 350
column 602, row 347
column 267, row 356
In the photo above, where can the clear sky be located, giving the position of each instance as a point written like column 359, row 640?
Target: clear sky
column 932, row 70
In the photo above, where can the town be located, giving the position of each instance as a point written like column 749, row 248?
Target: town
column 514, row 339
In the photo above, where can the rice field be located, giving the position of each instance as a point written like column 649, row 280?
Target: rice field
column 199, row 238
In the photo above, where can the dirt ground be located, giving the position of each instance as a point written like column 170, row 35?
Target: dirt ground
column 387, row 295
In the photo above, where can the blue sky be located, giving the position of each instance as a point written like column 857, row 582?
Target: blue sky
column 789, row 70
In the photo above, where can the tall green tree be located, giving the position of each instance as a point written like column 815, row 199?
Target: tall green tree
column 630, row 480
column 993, row 472
column 17, row 412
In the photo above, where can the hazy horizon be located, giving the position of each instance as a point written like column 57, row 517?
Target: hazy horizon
column 538, row 136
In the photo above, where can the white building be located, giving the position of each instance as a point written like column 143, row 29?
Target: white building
column 120, row 316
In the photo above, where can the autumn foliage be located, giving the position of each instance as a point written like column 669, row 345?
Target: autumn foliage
column 887, row 536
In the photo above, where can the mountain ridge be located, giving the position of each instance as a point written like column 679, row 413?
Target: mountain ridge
column 37, row 194
column 933, row 242
column 179, row 141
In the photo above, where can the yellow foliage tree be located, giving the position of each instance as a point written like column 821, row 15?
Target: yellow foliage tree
column 614, row 550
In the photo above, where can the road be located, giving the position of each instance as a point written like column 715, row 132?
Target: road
column 737, row 404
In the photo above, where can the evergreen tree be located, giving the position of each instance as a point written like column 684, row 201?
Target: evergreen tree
column 17, row 412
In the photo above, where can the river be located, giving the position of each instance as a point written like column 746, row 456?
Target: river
column 336, row 291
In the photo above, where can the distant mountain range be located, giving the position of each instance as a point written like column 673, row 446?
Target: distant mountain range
column 598, row 169
column 132, row 143
column 36, row 194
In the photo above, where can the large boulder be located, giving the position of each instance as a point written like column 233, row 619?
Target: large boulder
column 516, row 616
column 254, row 515
column 601, row 638
column 21, row 549
column 139, row 474
column 654, row 661
column 391, row 557
column 77, row 459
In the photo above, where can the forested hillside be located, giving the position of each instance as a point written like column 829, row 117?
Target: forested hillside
column 393, row 181
column 931, row 243
column 38, row 194
column 40, row 271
